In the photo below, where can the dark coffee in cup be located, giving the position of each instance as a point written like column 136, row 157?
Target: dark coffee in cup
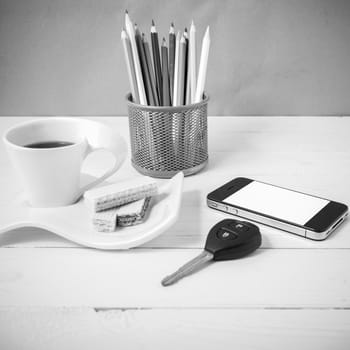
column 49, row 144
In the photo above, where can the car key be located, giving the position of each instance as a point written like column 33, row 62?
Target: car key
column 229, row 239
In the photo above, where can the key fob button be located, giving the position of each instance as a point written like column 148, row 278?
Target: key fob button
column 239, row 227
column 224, row 235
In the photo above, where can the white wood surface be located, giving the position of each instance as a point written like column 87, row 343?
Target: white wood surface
column 89, row 329
column 291, row 293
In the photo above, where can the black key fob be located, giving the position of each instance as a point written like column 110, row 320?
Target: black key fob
column 232, row 239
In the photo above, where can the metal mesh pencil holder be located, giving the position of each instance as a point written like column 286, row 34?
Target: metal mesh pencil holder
column 166, row 140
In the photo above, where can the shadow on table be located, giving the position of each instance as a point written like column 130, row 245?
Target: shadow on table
column 186, row 232
column 33, row 237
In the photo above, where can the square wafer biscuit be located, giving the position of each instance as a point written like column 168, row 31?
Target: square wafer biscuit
column 126, row 215
column 115, row 195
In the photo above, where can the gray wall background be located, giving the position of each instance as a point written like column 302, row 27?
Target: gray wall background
column 282, row 57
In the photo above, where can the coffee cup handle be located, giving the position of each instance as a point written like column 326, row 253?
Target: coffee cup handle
column 113, row 144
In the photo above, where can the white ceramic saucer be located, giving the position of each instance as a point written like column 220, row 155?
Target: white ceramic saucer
column 74, row 222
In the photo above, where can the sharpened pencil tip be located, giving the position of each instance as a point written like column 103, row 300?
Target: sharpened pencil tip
column 153, row 24
column 126, row 12
column 186, row 29
column 192, row 28
column 172, row 24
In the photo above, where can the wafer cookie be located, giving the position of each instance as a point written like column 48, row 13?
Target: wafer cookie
column 120, row 193
column 126, row 215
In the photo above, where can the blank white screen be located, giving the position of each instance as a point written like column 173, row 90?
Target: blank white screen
column 278, row 202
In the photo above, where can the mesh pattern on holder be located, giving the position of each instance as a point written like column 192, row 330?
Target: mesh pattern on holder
column 166, row 140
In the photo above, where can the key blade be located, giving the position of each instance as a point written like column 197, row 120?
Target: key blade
column 187, row 268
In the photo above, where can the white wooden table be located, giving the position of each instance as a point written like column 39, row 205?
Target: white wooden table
column 292, row 293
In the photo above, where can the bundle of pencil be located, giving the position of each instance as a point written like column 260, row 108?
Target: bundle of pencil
column 167, row 76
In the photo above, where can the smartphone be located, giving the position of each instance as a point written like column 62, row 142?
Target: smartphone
column 295, row 212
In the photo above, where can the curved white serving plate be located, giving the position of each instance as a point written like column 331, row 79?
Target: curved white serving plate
column 74, row 222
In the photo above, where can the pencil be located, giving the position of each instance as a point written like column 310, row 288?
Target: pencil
column 131, row 33
column 181, row 139
column 165, row 74
column 130, row 66
column 172, row 43
column 202, row 71
column 193, row 77
column 144, row 68
column 182, row 67
column 156, row 60
column 186, row 82
column 176, row 70
column 150, row 68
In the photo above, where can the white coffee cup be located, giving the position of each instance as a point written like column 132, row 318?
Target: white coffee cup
column 51, row 176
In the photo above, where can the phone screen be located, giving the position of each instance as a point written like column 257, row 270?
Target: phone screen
column 277, row 202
